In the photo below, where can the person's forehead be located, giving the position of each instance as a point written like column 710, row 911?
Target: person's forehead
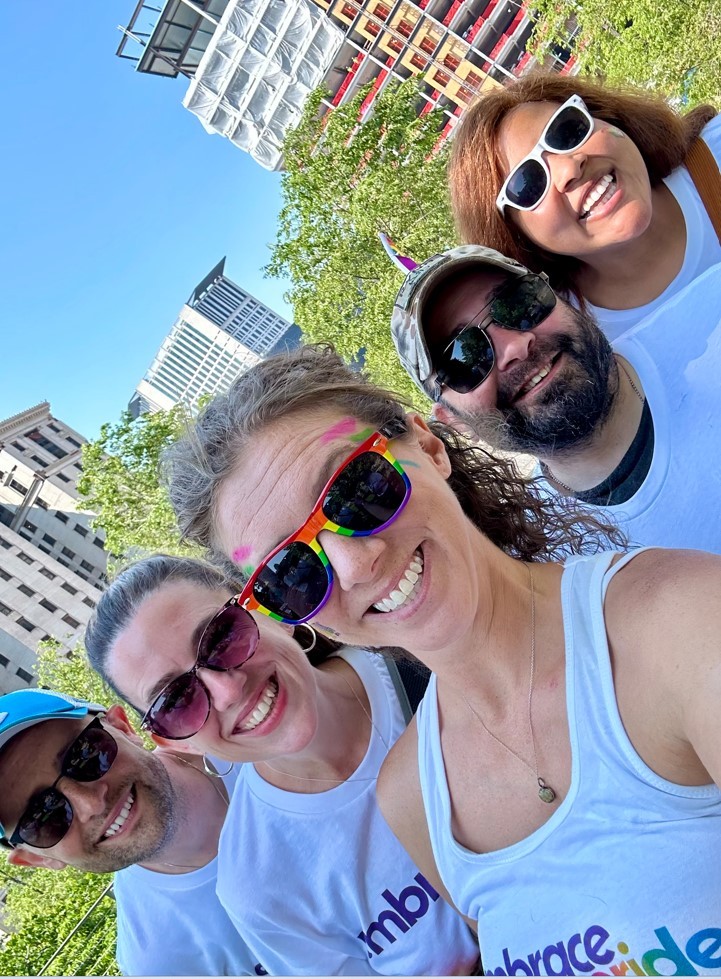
column 457, row 300
column 524, row 124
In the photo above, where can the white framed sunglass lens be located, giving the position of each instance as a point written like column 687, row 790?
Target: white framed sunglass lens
column 567, row 130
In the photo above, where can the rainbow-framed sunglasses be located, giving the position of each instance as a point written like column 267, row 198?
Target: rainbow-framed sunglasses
column 363, row 496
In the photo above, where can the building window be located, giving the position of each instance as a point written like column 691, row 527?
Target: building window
column 5, row 543
column 30, row 526
column 41, row 503
column 26, row 591
column 48, row 606
column 25, row 557
column 38, row 461
column 79, row 529
column 441, row 77
column 39, row 439
column 69, row 588
column 89, row 602
column 49, row 540
column 382, row 11
column 24, row 675
column 48, row 574
column 4, row 660
column 72, row 441
column 25, row 624
column 418, row 62
column 87, row 565
column 451, row 61
column 5, row 575
column 69, row 620
column 18, row 445
column 6, row 516
column 99, row 542
column 405, row 27
column 61, row 516
column 4, row 609
column 54, row 428
column 18, row 487
column 68, row 553
column 63, row 478
column 81, row 574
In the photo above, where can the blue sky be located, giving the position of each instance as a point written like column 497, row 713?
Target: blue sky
column 115, row 204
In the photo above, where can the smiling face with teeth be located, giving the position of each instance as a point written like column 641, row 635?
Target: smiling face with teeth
column 412, row 584
column 264, row 709
column 123, row 818
column 550, row 388
column 600, row 195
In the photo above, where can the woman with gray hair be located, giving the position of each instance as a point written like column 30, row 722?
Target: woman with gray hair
column 307, row 869
column 560, row 779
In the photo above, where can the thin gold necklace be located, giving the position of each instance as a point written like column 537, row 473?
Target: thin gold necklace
column 546, row 469
column 545, row 792
column 309, row 778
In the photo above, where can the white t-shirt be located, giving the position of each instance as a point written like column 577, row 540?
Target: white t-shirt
column 677, row 355
column 702, row 245
column 332, row 892
column 174, row 925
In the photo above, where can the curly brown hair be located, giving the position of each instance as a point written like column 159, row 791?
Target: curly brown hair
column 507, row 507
column 663, row 138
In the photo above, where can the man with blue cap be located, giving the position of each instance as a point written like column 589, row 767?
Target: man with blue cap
column 80, row 789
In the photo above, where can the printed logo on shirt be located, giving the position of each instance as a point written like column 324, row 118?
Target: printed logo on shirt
column 411, row 904
column 583, row 954
column 259, row 970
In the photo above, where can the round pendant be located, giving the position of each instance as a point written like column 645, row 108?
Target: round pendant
column 545, row 792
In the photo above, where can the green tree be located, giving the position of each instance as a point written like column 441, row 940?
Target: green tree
column 669, row 45
column 45, row 906
column 120, row 483
column 344, row 182
column 72, row 674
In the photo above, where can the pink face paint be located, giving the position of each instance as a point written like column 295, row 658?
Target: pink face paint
column 241, row 553
column 342, row 429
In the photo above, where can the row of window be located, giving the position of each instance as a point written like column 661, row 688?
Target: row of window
column 29, row 626
column 65, row 585
column 23, row 674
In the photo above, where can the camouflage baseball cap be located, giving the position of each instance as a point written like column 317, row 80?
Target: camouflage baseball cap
column 407, row 319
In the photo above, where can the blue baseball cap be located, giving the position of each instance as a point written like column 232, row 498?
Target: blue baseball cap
column 22, row 709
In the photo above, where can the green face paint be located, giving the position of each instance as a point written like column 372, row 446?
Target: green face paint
column 617, row 133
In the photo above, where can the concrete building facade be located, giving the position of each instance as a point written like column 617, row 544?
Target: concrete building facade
column 251, row 63
column 52, row 563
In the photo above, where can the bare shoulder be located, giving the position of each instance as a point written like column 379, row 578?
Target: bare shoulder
column 399, row 786
column 662, row 588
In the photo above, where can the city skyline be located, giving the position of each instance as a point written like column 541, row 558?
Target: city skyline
column 109, row 220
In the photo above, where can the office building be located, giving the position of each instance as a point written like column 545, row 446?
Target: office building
column 221, row 331
column 52, row 563
column 251, row 63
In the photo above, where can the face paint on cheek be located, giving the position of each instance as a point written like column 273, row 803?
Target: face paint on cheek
column 617, row 133
column 247, row 570
column 241, row 553
column 406, row 463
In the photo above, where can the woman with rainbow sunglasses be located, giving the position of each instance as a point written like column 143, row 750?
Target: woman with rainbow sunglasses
column 559, row 782
column 309, row 872
column 610, row 192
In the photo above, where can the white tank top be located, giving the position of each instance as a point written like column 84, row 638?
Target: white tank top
column 625, row 876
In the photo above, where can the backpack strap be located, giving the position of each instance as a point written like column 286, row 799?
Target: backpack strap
column 410, row 679
column 705, row 174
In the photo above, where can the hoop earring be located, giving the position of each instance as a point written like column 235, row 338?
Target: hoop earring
column 314, row 635
column 213, row 774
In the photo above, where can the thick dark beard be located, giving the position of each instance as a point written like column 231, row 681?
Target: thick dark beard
column 571, row 409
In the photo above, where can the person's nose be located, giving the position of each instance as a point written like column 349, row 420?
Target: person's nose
column 354, row 559
column 88, row 799
column 511, row 347
column 226, row 688
column 566, row 169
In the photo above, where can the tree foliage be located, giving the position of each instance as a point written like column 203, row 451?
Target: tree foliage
column 344, row 183
column 120, row 483
column 71, row 675
column 668, row 45
column 45, row 906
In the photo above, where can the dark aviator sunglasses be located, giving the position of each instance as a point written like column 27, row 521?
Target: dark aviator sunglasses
column 521, row 304
column 48, row 815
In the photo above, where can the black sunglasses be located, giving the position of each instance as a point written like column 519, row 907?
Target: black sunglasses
column 521, row 304
column 182, row 707
column 48, row 815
